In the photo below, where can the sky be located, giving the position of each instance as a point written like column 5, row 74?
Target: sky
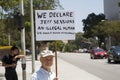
column 82, row 8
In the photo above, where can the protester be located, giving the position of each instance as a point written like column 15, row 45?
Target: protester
column 9, row 61
column 45, row 72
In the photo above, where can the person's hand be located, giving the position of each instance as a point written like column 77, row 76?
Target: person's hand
column 13, row 65
column 15, row 58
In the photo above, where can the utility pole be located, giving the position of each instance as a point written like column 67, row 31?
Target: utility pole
column 23, row 42
column 32, row 38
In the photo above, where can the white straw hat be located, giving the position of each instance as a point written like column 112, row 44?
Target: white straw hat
column 46, row 53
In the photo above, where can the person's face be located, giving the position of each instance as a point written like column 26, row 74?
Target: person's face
column 47, row 61
column 16, row 51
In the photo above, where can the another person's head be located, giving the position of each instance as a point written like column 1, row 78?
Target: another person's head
column 46, row 59
column 14, row 50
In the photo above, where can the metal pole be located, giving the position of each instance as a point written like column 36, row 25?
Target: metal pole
column 32, row 38
column 56, row 66
column 23, row 42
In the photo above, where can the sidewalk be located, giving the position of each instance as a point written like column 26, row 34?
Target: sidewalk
column 66, row 71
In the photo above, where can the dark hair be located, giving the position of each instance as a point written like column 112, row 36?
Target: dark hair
column 13, row 48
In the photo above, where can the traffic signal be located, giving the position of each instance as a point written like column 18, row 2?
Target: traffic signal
column 19, row 21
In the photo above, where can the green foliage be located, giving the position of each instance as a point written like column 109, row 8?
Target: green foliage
column 79, row 42
column 10, row 7
column 59, row 45
column 110, row 28
column 89, row 23
column 97, row 26
column 70, row 47
column 91, row 27
column 27, row 26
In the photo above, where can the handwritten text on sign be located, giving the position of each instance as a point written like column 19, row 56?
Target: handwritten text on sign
column 54, row 25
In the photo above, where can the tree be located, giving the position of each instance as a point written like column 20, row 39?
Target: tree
column 89, row 23
column 79, row 40
column 11, row 7
column 78, row 43
column 109, row 28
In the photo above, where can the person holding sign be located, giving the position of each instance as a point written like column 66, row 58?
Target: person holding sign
column 45, row 73
column 9, row 61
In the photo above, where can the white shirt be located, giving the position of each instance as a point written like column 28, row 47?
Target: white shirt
column 42, row 74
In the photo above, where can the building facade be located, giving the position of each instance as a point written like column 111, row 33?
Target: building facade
column 112, row 12
column 112, row 9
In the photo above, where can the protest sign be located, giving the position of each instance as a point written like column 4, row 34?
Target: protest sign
column 54, row 25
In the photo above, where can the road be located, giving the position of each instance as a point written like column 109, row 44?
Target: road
column 97, row 67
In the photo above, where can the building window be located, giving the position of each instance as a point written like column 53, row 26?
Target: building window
column 118, row 4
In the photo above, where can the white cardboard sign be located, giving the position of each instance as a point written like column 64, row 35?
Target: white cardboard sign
column 54, row 25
